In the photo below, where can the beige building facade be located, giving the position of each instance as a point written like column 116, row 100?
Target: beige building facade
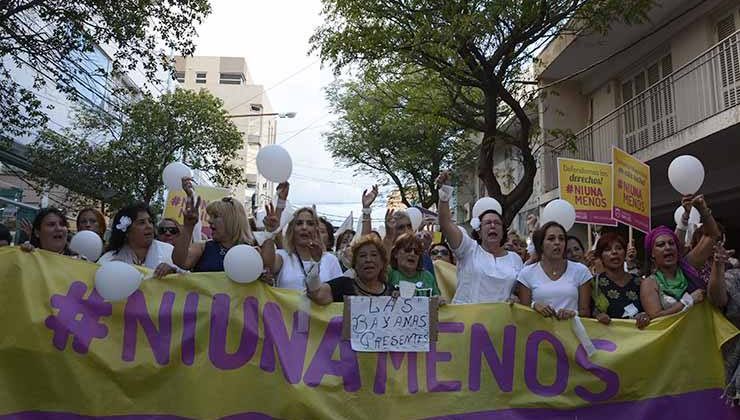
column 228, row 78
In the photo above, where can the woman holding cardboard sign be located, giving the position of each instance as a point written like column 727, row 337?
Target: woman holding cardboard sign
column 370, row 263
column 486, row 271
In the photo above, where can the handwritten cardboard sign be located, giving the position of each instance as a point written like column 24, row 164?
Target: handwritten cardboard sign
column 384, row 323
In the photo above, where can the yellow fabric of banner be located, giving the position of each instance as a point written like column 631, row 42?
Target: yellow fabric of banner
column 201, row 346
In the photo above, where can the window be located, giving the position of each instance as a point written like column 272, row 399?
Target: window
column 729, row 62
column 180, row 76
column 649, row 115
column 200, row 78
column 231, row 79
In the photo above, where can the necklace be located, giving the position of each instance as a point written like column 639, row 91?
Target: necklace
column 221, row 250
column 555, row 271
column 368, row 292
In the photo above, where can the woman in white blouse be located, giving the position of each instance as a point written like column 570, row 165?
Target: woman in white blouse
column 486, row 272
column 132, row 241
column 554, row 286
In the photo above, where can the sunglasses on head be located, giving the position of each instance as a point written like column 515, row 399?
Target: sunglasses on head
column 170, row 230
column 439, row 252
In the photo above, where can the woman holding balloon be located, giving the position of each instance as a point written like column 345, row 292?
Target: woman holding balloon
column 486, row 272
column 675, row 285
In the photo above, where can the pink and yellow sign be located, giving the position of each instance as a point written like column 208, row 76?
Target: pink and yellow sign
column 176, row 205
column 631, row 190
column 588, row 187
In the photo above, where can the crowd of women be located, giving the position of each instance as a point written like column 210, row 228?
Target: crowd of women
column 557, row 277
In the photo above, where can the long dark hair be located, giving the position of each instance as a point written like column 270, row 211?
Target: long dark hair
column 476, row 234
column 330, row 232
column 39, row 219
column 117, row 236
column 538, row 238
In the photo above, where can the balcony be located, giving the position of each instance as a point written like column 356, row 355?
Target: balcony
column 696, row 92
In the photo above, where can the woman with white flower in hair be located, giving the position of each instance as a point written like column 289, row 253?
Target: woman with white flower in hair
column 132, row 241
column 486, row 271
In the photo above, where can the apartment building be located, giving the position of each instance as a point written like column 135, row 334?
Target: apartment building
column 228, row 78
column 668, row 87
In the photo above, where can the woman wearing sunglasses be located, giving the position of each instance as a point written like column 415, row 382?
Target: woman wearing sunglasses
column 407, row 265
column 442, row 252
column 168, row 230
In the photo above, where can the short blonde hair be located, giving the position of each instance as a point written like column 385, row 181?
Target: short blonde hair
column 290, row 231
column 235, row 219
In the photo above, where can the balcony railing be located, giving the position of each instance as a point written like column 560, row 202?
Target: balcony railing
column 702, row 88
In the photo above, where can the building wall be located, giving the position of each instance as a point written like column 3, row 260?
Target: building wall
column 239, row 99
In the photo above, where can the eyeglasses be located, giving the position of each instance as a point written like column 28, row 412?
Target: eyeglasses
column 170, row 230
column 439, row 253
column 411, row 250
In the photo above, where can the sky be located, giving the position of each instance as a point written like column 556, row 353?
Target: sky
column 273, row 37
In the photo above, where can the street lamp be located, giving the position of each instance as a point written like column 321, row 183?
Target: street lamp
column 271, row 114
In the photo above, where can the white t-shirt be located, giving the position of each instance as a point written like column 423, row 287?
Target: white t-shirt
column 481, row 277
column 292, row 276
column 561, row 293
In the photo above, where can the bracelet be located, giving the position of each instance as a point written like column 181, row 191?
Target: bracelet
column 367, row 211
column 280, row 203
column 445, row 193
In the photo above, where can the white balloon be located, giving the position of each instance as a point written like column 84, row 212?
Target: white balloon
column 559, row 211
column 274, row 163
column 259, row 218
column 415, row 216
column 486, row 203
column 173, row 175
column 88, row 244
column 116, row 281
column 694, row 216
column 243, row 264
column 686, row 174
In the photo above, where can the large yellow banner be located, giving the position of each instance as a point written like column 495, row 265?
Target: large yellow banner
column 200, row 346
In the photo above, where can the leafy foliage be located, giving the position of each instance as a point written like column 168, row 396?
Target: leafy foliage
column 387, row 128
column 49, row 38
column 121, row 163
column 478, row 50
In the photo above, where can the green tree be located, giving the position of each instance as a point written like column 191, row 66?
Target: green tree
column 119, row 164
column 50, row 38
column 477, row 49
column 387, row 128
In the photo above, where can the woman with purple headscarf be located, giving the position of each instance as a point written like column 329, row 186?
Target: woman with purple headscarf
column 675, row 284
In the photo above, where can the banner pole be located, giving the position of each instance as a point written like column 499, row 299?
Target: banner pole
column 630, row 235
column 590, row 240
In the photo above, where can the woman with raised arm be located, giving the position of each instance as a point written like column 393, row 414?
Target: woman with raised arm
column 554, row 286
column 486, row 272
column 229, row 227
column 675, row 284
